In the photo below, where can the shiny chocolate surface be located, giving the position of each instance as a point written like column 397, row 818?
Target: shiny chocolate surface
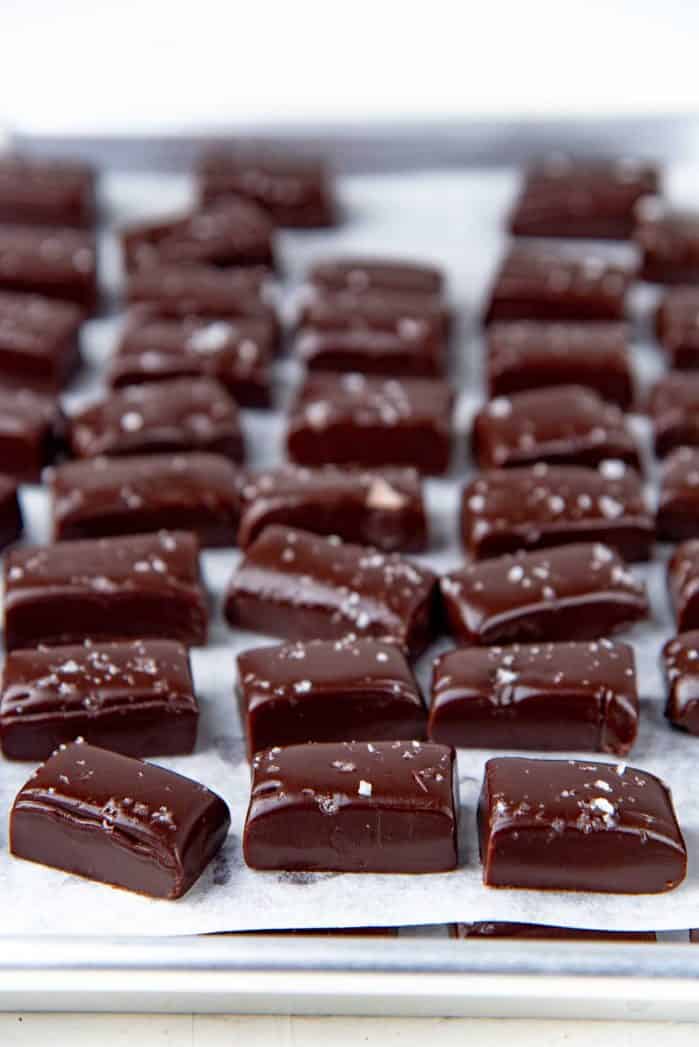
column 56, row 262
column 680, row 658
column 38, row 341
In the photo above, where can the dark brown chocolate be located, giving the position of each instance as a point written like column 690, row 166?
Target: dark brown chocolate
column 53, row 262
column 119, row 821
column 681, row 663
column 39, row 346
column 100, row 497
column 673, row 406
column 160, row 417
column 32, row 433
column 353, row 420
column 580, row 697
column 578, row 826
column 505, row 510
column 574, row 592
column 328, row 691
column 360, row 274
column 368, row 351
column 565, row 425
column 668, row 241
column 11, row 522
column 418, row 316
column 185, row 291
column 683, row 584
column 533, row 931
column 678, row 506
column 297, row 585
column 134, row 698
column 353, row 807
column 46, row 192
column 530, row 355
column 105, row 589
column 677, row 327
column 384, row 509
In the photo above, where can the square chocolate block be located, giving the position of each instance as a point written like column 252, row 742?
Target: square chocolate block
column 226, row 233
column 39, row 346
column 572, row 592
column 105, row 589
column 673, row 406
column 681, row 662
column 183, row 291
column 536, row 283
column 119, row 821
column 678, row 507
column 369, row 351
column 534, row 507
column 384, row 509
column 677, row 327
column 46, row 192
column 236, row 352
column 530, row 355
column 683, row 584
column 371, row 422
column 134, row 698
column 328, row 691
column 361, row 274
column 32, row 433
column 353, row 807
column 299, row 586
column 100, row 497
column 295, row 190
column 557, row 696
column 580, row 198
column 572, row 826
column 11, row 523
column 546, row 932
column 668, row 241
column 418, row 316
column 160, row 417
column 563, row 425
column 54, row 262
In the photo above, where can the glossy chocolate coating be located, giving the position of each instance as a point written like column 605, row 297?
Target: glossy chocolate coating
column 674, row 410
column 54, row 262
column 677, row 327
column 353, row 807
column 668, row 241
column 160, row 417
column 39, row 346
column 368, row 351
column 235, row 352
column 100, row 497
column 578, row 826
column 11, row 523
column 681, row 662
column 591, row 199
column 565, row 425
column 384, row 509
column 119, row 821
column 295, row 190
column 134, row 698
column 683, row 584
column 678, row 506
column 418, row 316
column 360, row 274
column 532, row 355
column 564, row 696
column 370, row 422
column 533, row 931
column 226, row 233
column 328, row 691
column 31, row 433
column 536, row 283
column 46, row 192
column 178, row 291
column 534, row 507
column 300, row 586
column 105, row 589
column 572, row 592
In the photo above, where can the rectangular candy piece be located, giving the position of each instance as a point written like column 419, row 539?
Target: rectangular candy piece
column 534, row 507
column 565, row 425
column 384, row 509
column 359, row 274
column 683, row 584
column 371, row 422
column 423, row 316
column 46, row 192
column 160, row 417
column 572, row 592
column 681, row 663
column 572, row 826
column 353, row 807
column 295, row 190
column 39, row 346
column 119, row 821
column 531, row 355
column 368, row 351
column 555, row 696
column 11, row 522
column 105, row 589
column 543, row 284
column 134, row 698
column 179, row 291
column 297, row 585
column 673, row 406
column 54, row 262
column 678, row 506
column 100, row 497
column 677, row 327
column 328, row 691
column 31, row 433
column 533, row 931
column 236, row 353
column 571, row 198
column 668, row 241
column 225, row 233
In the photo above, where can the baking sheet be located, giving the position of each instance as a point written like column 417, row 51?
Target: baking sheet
column 454, row 219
